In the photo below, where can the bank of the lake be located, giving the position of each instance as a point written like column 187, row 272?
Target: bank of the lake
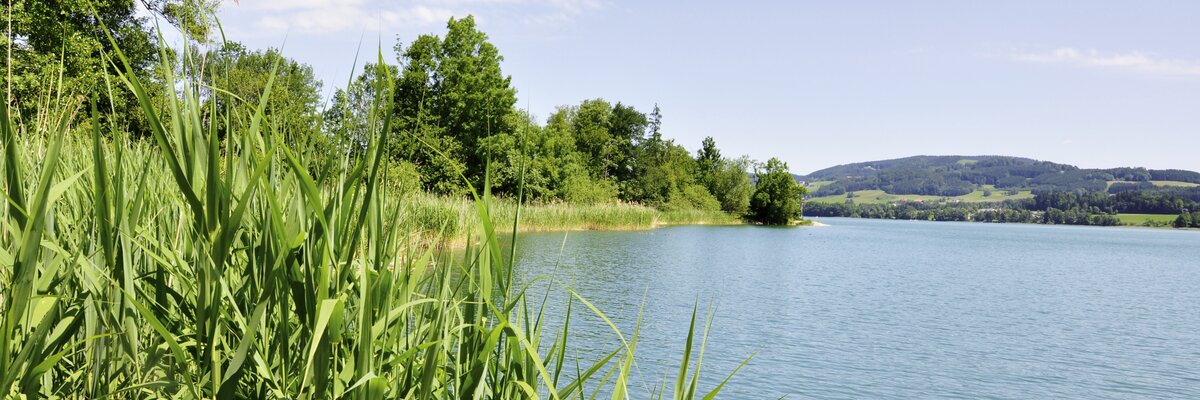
column 449, row 220
column 896, row 309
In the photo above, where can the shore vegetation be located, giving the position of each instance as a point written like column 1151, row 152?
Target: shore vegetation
column 167, row 233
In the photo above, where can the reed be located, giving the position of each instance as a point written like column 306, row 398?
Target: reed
column 215, row 262
column 431, row 213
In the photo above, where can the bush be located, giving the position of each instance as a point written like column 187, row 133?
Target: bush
column 583, row 189
column 732, row 187
column 777, row 197
column 402, row 177
column 693, row 197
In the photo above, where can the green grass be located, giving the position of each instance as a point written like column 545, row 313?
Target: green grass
column 431, row 213
column 1175, row 183
column 193, row 266
column 1163, row 183
column 813, row 186
column 881, row 197
column 1163, row 220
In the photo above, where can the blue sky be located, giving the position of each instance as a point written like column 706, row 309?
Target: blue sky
column 818, row 83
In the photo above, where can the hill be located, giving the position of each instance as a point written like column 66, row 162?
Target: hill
column 949, row 176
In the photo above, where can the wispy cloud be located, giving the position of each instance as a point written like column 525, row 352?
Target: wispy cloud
column 1135, row 62
column 350, row 15
column 332, row 16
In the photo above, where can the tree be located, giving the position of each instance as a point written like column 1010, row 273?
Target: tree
column 471, row 94
column 355, row 110
column 628, row 128
column 731, row 185
column 1184, row 220
column 708, row 159
column 294, row 98
column 777, row 199
column 53, row 37
column 663, row 175
column 49, row 38
column 591, row 124
column 451, row 97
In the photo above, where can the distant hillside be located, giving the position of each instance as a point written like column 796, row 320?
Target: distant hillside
column 961, row 175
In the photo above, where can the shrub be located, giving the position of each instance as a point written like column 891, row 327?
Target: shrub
column 777, row 197
column 583, row 189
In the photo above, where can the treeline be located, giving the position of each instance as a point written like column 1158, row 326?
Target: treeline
column 448, row 111
column 965, row 213
column 923, row 211
column 454, row 116
column 1067, row 208
column 1129, row 202
column 1186, row 193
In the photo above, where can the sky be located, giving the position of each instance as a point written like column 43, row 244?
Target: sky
column 816, row 83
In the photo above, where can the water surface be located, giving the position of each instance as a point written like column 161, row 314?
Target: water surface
column 895, row 309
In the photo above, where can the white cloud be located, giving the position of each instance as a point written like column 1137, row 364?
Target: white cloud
column 1137, row 62
column 291, row 5
column 348, row 15
column 332, row 16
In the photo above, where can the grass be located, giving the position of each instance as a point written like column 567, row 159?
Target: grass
column 1155, row 220
column 1163, row 183
column 1175, row 184
column 881, row 197
column 448, row 217
column 200, row 266
column 813, row 186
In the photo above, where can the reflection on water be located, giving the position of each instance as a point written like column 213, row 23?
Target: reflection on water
column 895, row 309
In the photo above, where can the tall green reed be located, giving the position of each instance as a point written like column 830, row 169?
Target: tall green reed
column 216, row 262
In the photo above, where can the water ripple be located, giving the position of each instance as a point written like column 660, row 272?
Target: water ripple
column 898, row 309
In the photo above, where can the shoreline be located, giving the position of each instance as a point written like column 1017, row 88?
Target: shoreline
column 459, row 241
column 1122, row 226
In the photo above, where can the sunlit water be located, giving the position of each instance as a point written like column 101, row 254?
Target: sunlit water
column 893, row 309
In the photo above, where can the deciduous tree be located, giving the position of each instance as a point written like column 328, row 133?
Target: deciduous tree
column 777, row 199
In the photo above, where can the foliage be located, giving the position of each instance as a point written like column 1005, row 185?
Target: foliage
column 1175, row 175
column 627, row 128
column 62, row 38
column 777, row 198
column 726, row 179
column 580, row 188
column 1187, row 220
column 708, row 159
column 453, row 120
column 193, row 267
column 293, row 102
column 1047, row 208
column 922, row 211
column 731, row 185
column 958, row 175
column 451, row 96
column 1128, row 202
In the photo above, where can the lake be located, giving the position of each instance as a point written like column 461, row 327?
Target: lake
column 893, row 309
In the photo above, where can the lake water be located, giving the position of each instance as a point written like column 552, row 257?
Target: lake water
column 894, row 309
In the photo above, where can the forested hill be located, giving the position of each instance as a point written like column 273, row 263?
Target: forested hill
column 960, row 175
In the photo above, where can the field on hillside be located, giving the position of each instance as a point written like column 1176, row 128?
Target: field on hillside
column 1164, row 183
column 1175, row 183
column 814, row 186
column 1147, row 219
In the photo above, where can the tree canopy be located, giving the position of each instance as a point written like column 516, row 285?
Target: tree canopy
column 454, row 120
column 64, row 38
column 777, row 198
